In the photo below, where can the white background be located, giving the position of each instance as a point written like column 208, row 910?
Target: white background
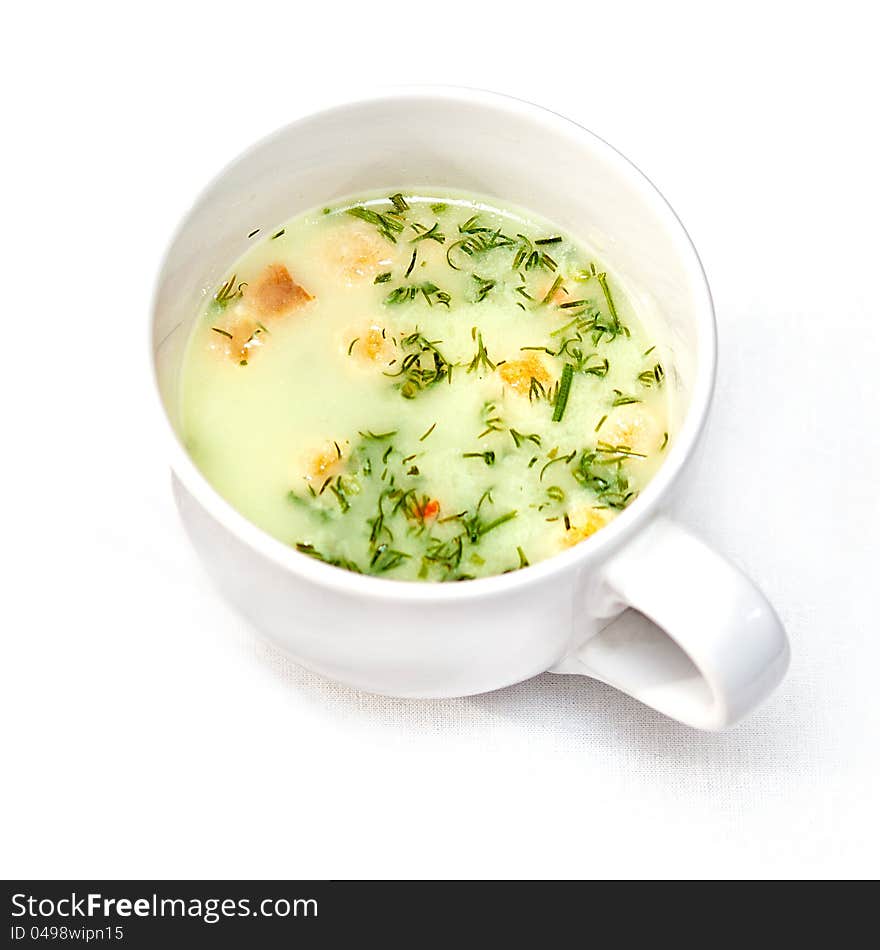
column 146, row 732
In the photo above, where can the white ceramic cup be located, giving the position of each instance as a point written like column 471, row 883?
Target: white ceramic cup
column 712, row 647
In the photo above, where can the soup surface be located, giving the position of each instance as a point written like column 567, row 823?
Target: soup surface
column 424, row 388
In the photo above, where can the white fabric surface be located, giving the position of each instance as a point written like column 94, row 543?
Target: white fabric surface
column 148, row 732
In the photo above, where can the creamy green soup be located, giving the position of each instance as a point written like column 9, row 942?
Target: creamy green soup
column 424, row 388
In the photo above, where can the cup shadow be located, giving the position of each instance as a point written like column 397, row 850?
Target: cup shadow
column 566, row 712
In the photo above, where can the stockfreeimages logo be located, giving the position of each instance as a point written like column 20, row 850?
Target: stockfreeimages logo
column 210, row 909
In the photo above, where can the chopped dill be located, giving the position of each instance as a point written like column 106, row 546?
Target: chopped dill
column 491, row 420
column 599, row 369
column 428, row 234
column 536, row 389
column 422, row 366
column 399, row 202
column 623, row 399
column 557, row 283
column 554, row 460
column 519, row 438
column 604, row 475
column 229, row 291
column 337, row 489
column 387, row 226
column 306, row 548
column 409, row 292
column 487, row 457
column 484, row 286
column 481, row 357
column 617, row 451
column 478, row 241
column 653, row 376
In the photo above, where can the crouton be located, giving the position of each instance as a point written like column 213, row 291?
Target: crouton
column 358, row 251
column 275, row 293
column 635, row 427
column 518, row 374
column 371, row 345
column 585, row 524
column 324, row 462
column 240, row 340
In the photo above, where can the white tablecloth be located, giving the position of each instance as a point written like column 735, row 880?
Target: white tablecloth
column 149, row 733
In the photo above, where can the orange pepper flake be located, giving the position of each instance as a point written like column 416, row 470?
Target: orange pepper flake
column 429, row 510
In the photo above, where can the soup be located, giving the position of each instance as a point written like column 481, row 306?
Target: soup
column 424, row 387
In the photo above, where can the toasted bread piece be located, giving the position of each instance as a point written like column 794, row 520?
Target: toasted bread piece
column 635, row 427
column 275, row 293
column 370, row 346
column 359, row 252
column 324, row 462
column 518, row 374
column 585, row 524
column 239, row 340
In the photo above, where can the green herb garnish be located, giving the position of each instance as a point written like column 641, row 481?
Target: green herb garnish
column 557, row 283
column 384, row 223
column 425, row 234
column 481, row 357
column 399, row 202
column 484, row 285
column 623, row 399
column 407, row 293
column 487, row 457
column 229, row 291
column 519, row 438
column 562, row 395
column 422, row 366
column 305, row 548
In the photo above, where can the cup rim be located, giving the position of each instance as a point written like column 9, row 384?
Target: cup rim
column 580, row 556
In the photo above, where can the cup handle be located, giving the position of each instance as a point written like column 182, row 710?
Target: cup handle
column 715, row 647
